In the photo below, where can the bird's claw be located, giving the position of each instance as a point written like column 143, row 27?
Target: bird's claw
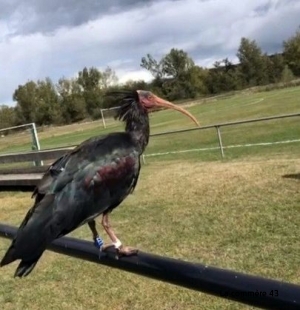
column 121, row 250
column 127, row 251
column 98, row 242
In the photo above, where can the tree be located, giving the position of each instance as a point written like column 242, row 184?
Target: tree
column 275, row 66
column 108, row 78
column 175, row 75
column 177, row 69
column 37, row 102
column 223, row 77
column 189, row 84
column 27, row 98
column 176, row 64
column 71, row 100
column 253, row 67
column 153, row 66
column 291, row 51
column 133, row 85
column 48, row 111
column 287, row 74
column 196, row 77
column 7, row 116
column 90, row 81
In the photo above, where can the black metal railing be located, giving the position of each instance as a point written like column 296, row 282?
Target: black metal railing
column 248, row 289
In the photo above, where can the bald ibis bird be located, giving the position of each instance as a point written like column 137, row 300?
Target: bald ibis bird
column 92, row 179
column 41, row 189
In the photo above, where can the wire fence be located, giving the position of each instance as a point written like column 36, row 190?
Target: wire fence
column 220, row 140
column 224, row 137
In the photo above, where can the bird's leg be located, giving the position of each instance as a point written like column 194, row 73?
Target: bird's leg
column 98, row 242
column 124, row 250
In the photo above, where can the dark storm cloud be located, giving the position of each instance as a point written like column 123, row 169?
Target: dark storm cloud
column 279, row 24
column 7, row 8
column 262, row 9
column 46, row 16
column 118, row 33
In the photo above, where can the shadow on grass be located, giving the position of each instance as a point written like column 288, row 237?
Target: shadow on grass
column 292, row 176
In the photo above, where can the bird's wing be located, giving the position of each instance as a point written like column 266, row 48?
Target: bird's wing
column 52, row 172
column 97, row 159
column 90, row 172
column 57, row 167
column 92, row 175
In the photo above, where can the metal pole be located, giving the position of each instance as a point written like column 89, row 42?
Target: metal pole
column 232, row 285
column 14, row 127
column 220, row 141
column 103, row 120
column 225, row 124
column 36, row 144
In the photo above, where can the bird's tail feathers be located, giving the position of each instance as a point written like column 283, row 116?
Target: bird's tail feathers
column 25, row 232
column 25, row 267
column 9, row 257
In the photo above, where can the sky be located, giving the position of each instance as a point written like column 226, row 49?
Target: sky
column 56, row 38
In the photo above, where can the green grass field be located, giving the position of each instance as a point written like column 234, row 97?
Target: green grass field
column 241, row 214
column 238, row 107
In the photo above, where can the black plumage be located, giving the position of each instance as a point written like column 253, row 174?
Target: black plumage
column 90, row 180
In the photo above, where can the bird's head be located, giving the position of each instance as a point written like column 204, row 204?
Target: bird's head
column 151, row 102
column 132, row 101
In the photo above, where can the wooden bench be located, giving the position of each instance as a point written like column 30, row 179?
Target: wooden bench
column 18, row 173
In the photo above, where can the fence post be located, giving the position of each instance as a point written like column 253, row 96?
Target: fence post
column 143, row 158
column 103, row 120
column 36, row 144
column 220, row 141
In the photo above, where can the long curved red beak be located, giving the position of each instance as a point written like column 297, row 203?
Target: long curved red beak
column 159, row 102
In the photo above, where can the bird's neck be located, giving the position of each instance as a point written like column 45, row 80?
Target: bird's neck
column 138, row 127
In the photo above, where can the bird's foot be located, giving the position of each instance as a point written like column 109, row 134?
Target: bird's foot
column 121, row 249
column 127, row 251
column 98, row 242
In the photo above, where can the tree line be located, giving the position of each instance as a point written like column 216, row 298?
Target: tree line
column 175, row 77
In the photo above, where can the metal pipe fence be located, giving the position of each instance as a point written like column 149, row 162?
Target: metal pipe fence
column 228, row 284
column 221, row 145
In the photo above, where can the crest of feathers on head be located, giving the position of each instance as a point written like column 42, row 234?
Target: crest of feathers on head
column 129, row 107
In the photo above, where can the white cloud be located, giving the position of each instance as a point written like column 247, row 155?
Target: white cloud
column 208, row 30
column 133, row 75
